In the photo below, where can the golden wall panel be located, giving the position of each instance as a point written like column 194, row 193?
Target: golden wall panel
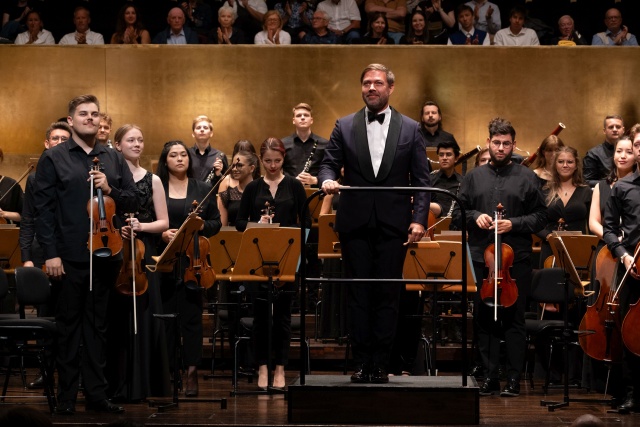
column 248, row 91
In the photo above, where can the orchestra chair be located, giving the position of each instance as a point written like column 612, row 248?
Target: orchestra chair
column 24, row 336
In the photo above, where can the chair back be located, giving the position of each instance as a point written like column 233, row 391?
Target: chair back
column 32, row 287
column 547, row 286
column 4, row 284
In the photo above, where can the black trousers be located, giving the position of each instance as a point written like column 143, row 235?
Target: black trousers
column 81, row 318
column 373, row 253
column 281, row 325
column 629, row 294
column 510, row 324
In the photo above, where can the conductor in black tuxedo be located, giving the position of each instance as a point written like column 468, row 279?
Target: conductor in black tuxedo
column 378, row 147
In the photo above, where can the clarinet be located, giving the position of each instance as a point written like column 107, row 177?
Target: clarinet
column 212, row 174
column 307, row 164
column 453, row 204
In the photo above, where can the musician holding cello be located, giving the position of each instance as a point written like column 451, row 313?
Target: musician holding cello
column 175, row 169
column 621, row 218
column 62, row 193
column 516, row 189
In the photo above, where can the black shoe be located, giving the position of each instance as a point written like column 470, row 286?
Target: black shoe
column 512, row 389
column 379, row 375
column 489, row 387
column 65, row 408
column 37, row 383
column 361, row 375
column 630, row 405
column 104, row 406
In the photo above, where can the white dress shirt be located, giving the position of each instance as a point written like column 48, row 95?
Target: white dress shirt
column 44, row 37
column 377, row 137
column 340, row 14
column 92, row 38
column 526, row 37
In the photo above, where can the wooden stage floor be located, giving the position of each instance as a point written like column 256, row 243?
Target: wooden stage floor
column 263, row 410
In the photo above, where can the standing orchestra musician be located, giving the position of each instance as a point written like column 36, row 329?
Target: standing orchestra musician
column 286, row 195
column 137, row 364
column 209, row 164
column 378, row 147
column 12, row 198
column 543, row 166
column 244, row 164
column 516, row 188
column 181, row 189
column 621, row 218
column 62, row 193
column 597, row 162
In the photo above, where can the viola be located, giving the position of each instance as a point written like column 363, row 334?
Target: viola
column 104, row 239
column 499, row 289
column 630, row 331
column 199, row 273
column 603, row 317
column 132, row 277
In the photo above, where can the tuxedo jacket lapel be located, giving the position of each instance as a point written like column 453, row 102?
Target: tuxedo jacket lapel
column 362, row 146
column 390, row 146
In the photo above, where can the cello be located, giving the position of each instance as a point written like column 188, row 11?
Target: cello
column 499, row 289
column 199, row 274
column 603, row 317
column 630, row 331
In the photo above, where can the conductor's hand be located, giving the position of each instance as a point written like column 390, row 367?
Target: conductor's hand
column 331, row 187
column 54, row 267
column 416, row 232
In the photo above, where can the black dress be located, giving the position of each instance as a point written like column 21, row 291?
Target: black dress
column 138, row 365
column 12, row 202
column 231, row 201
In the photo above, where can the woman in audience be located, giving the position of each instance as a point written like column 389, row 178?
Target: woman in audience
column 296, row 17
column 227, row 33
column 286, row 196
column 543, row 166
column 418, row 33
column 35, row 34
column 129, row 28
column 378, row 30
column 272, row 32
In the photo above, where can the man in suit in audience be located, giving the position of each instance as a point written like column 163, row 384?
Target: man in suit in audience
column 176, row 32
column 378, row 147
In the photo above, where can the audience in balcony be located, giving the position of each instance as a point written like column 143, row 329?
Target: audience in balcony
column 319, row 33
column 616, row 33
column 176, row 32
column 516, row 34
column 129, row 27
column 35, row 34
column 344, row 18
column 417, row 33
column 272, row 32
column 82, row 34
column 395, row 12
column 227, row 32
column 378, row 31
column 296, row 18
column 14, row 17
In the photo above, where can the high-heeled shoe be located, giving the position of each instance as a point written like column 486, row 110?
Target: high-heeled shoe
column 263, row 377
column 278, row 378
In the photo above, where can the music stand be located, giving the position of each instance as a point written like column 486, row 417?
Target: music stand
column 314, row 206
column 582, row 249
column 165, row 264
column 267, row 254
column 573, row 288
column 328, row 241
column 437, row 260
column 9, row 252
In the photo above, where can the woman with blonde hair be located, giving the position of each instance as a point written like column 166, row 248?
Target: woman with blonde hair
column 272, row 32
column 543, row 165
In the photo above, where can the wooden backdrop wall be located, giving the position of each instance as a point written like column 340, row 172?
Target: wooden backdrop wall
column 248, row 91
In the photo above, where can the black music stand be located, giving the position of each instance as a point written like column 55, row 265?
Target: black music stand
column 573, row 288
column 165, row 263
column 267, row 254
column 436, row 260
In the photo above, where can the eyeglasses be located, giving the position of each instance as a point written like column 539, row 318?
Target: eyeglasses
column 505, row 144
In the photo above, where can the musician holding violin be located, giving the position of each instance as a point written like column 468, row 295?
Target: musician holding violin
column 11, row 198
column 621, row 219
column 66, row 175
column 512, row 190
column 179, row 294
column 137, row 363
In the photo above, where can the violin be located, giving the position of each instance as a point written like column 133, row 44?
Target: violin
column 104, row 239
column 132, row 278
column 199, row 274
column 269, row 210
column 603, row 317
column 499, row 289
column 630, row 331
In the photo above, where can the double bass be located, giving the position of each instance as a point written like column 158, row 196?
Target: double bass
column 499, row 289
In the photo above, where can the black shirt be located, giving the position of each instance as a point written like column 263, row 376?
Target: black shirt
column 451, row 184
column 203, row 163
column 27, row 223
column 438, row 137
column 517, row 189
column 621, row 213
column 62, row 194
column 575, row 214
column 12, row 195
column 597, row 163
column 298, row 153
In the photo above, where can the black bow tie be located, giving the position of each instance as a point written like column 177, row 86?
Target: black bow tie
column 371, row 116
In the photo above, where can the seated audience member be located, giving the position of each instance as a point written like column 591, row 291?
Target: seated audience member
column 14, row 18
column 515, row 34
column 319, row 33
column 176, row 32
column 486, row 16
column 198, row 17
column 344, row 18
column 418, row 33
column 227, row 33
column 440, row 19
column 468, row 34
column 296, row 18
column 378, row 30
column 568, row 34
column 395, row 12
column 35, row 34
column 272, row 32
column 616, row 34
column 250, row 15
column 129, row 28
column 82, row 34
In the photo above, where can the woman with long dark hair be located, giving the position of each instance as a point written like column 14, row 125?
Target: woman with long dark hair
column 129, row 27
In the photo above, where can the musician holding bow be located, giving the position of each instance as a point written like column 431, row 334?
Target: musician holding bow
column 515, row 187
column 62, row 192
